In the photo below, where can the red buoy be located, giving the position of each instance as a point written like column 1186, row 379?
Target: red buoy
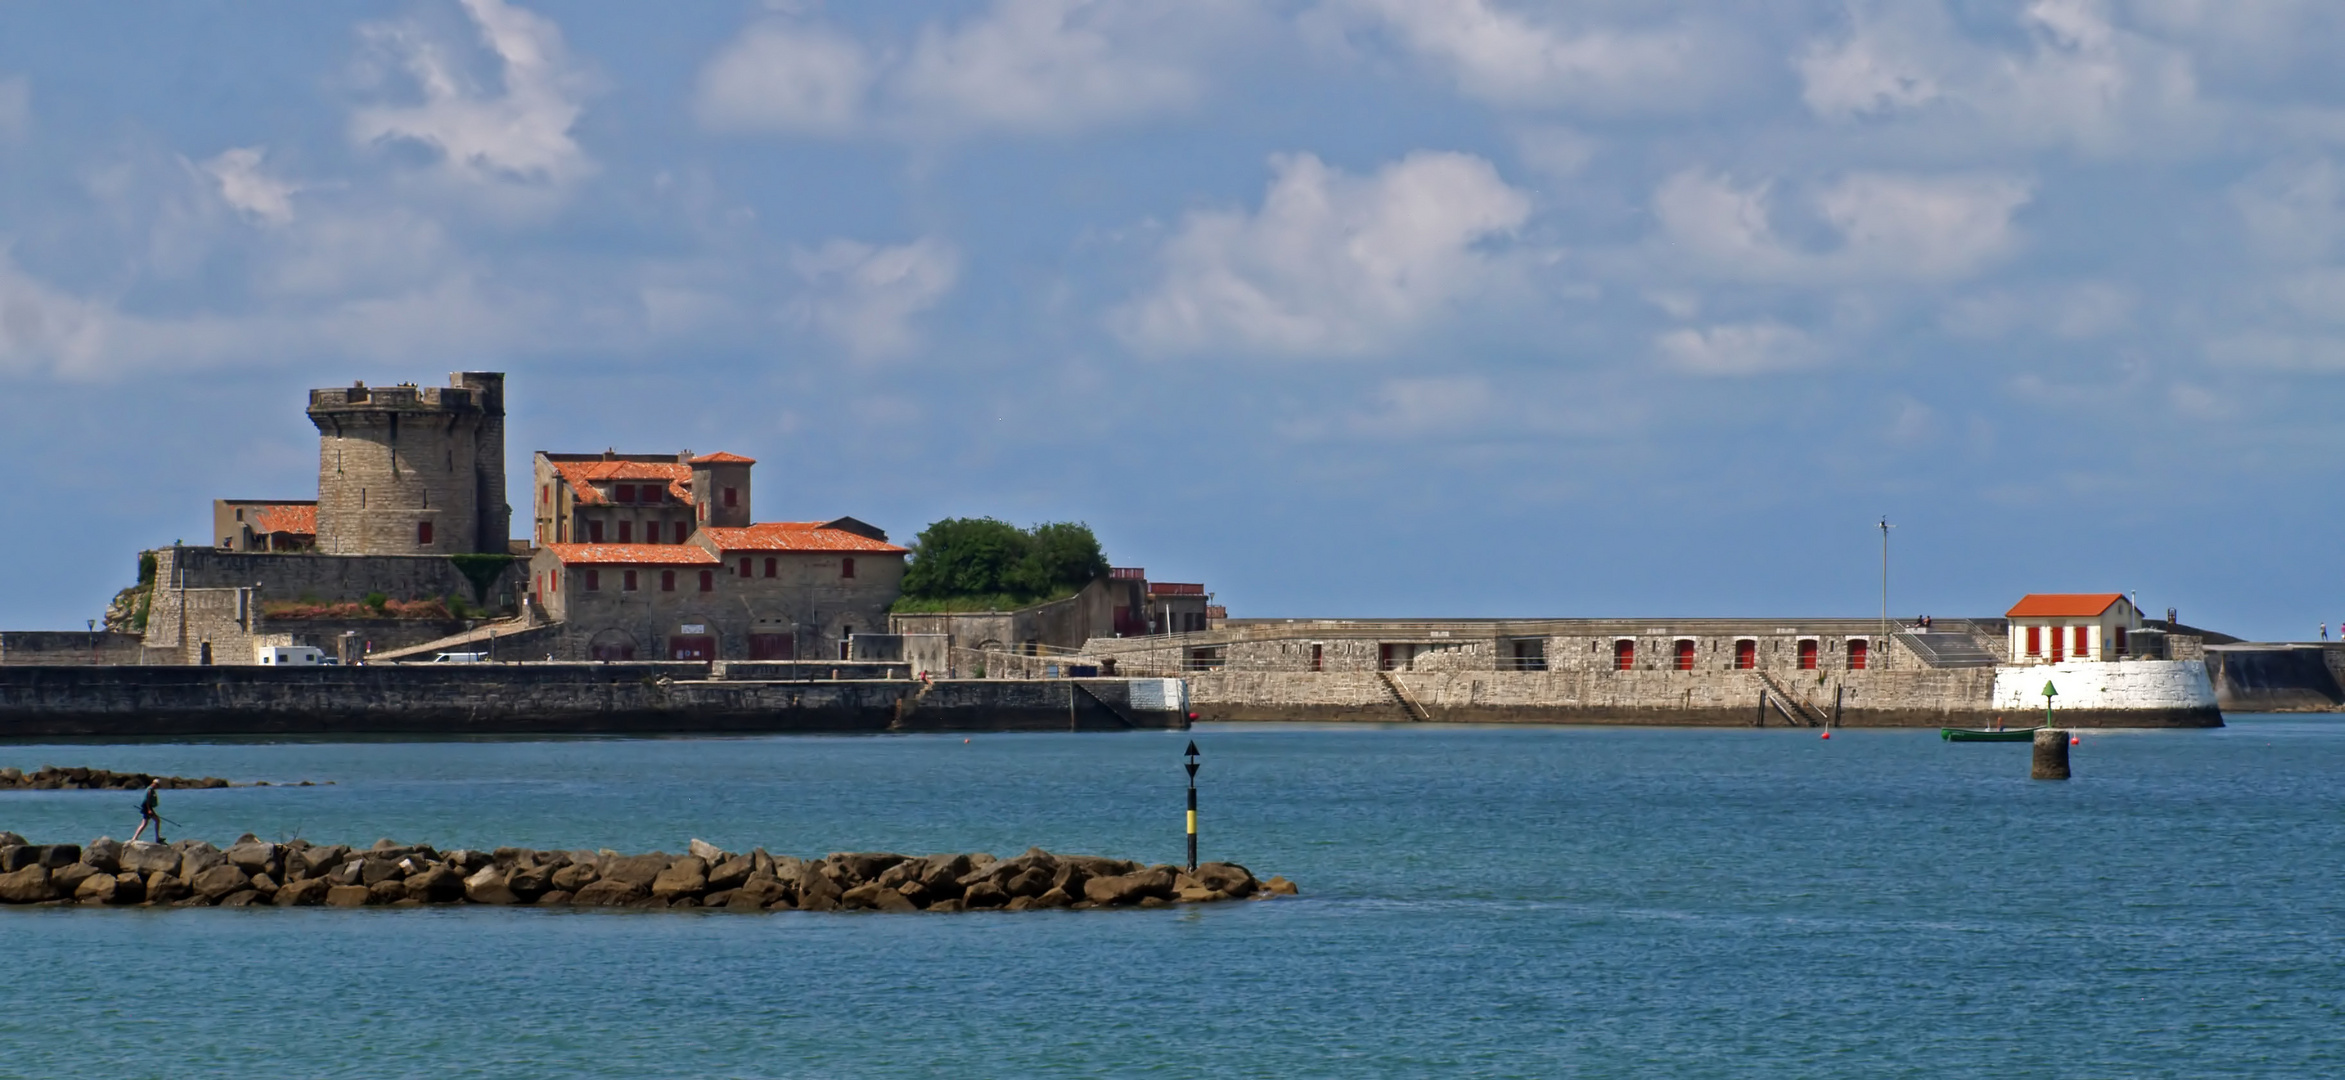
column 1827, row 734
column 2074, row 741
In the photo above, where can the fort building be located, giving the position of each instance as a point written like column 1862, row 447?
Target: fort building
column 265, row 524
column 408, row 470
column 2047, row 628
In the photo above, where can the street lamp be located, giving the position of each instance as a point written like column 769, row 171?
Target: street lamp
column 1191, row 754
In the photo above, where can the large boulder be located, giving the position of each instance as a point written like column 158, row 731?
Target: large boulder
column 1227, row 878
column 105, row 853
column 488, row 886
column 639, row 869
column 984, row 894
column 1070, row 877
column 197, row 858
column 687, row 876
column 1279, row 886
column 705, row 851
column 858, row 867
column 256, row 857
column 894, row 901
column 348, row 896
column 611, row 892
column 387, row 891
column 15, row 857
column 730, row 873
column 27, row 886
column 1157, row 882
column 142, row 857
column 435, row 885
column 165, row 888
column 243, row 898
column 308, row 892
column 67, row 879
column 59, row 856
column 351, row 872
column 1030, row 882
column 816, row 891
column 219, row 881
column 529, row 883
column 760, row 891
column 574, row 877
column 310, row 862
column 375, row 869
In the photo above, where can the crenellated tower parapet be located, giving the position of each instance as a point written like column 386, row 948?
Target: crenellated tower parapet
column 411, row 470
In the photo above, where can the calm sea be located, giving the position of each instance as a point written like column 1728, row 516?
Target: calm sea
column 1476, row 901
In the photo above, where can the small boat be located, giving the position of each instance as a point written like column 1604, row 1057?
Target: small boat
column 1961, row 734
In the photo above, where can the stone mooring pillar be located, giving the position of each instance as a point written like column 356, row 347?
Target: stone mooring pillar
column 2051, row 755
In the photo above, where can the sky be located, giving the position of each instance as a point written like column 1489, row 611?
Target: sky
column 1341, row 307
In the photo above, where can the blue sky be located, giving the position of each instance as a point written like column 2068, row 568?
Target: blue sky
column 1343, row 307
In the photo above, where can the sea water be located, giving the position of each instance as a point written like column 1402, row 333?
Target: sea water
column 1476, row 901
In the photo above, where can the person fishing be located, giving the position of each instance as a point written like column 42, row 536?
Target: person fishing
column 148, row 814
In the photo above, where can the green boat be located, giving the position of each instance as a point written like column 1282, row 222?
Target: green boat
column 1960, row 734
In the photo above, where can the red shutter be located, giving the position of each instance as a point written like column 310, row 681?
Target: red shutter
column 1685, row 656
column 2035, row 641
column 769, row 567
column 708, row 581
column 423, row 533
column 1746, row 654
column 1624, row 655
column 1807, row 655
column 846, row 568
column 667, row 581
column 744, row 566
column 682, row 534
column 1859, row 652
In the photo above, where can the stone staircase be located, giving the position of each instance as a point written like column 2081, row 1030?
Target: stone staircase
column 1944, row 650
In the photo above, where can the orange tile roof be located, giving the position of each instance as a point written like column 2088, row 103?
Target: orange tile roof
column 581, row 476
column 631, row 554
column 795, row 536
column 722, row 458
column 297, row 518
column 2062, row 605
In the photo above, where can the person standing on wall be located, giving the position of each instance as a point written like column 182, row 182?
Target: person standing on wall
column 148, row 812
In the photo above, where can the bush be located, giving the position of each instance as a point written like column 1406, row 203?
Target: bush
column 966, row 558
column 377, row 601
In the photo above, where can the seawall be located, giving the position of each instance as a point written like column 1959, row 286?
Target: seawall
column 1959, row 697
column 495, row 699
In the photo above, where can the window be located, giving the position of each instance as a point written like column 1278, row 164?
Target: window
column 2035, row 641
column 708, row 581
column 648, row 493
column 667, row 581
column 1685, row 654
column 1317, row 657
column 626, row 532
column 744, row 566
column 594, row 581
column 423, row 534
column 627, row 582
column 681, row 533
column 625, row 493
column 732, row 498
column 1624, row 654
column 594, row 532
column 771, row 565
column 1859, row 652
column 846, row 568
column 2079, row 647
column 1746, row 654
column 1807, row 654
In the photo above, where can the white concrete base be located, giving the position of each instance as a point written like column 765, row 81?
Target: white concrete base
column 2100, row 685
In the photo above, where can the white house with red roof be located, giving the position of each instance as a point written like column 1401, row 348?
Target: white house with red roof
column 2049, row 628
column 657, row 557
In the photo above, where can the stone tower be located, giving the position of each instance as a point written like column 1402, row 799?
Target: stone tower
column 407, row 470
column 720, row 489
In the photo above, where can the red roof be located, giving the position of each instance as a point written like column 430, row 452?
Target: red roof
column 794, row 536
column 298, row 518
column 632, row 554
column 2062, row 605
column 582, row 475
column 722, row 458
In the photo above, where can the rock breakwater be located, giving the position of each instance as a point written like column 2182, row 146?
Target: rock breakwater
column 53, row 778
column 194, row 873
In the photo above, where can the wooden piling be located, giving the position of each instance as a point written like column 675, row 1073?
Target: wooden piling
column 2051, row 761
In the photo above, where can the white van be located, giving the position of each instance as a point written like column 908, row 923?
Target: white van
column 289, row 656
column 461, row 658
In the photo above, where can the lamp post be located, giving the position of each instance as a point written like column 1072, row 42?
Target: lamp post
column 1888, row 650
column 1191, row 755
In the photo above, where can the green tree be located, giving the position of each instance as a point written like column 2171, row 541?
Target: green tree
column 961, row 558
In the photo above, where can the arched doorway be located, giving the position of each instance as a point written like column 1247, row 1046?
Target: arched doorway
column 612, row 645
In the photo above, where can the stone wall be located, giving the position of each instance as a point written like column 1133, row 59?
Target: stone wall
column 807, row 600
column 1910, row 698
column 2097, row 694
column 1061, row 624
column 204, row 596
column 489, row 699
column 71, row 647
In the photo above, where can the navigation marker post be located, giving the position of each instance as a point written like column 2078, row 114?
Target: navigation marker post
column 1191, row 755
column 2051, row 744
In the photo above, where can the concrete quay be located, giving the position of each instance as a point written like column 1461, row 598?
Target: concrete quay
column 555, row 698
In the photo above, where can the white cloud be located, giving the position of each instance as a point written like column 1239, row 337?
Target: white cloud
column 1752, row 348
column 2293, row 210
column 249, row 190
column 16, row 107
column 1498, row 55
column 786, row 77
column 1331, row 264
column 1888, row 226
column 2080, row 78
column 1022, row 66
column 515, row 132
column 867, row 296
